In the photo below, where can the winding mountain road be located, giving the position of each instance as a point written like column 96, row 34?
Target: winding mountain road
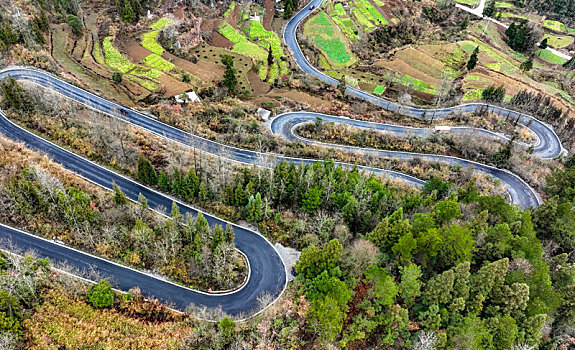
column 267, row 271
column 267, row 274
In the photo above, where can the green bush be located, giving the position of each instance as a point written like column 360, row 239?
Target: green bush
column 100, row 294
column 75, row 24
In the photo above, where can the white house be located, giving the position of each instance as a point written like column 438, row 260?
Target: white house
column 187, row 97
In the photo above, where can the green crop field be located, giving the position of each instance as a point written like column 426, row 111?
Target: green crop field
column 475, row 78
column 346, row 29
column 266, row 37
column 150, row 43
column 146, row 72
column 554, row 25
column 370, row 12
column 379, row 2
column 161, row 24
column 345, row 24
column 114, row 58
column 148, row 85
column 502, row 4
column 273, row 73
column 361, row 19
column 269, row 39
column 467, row 2
column 550, row 57
column 338, row 8
column 558, row 41
column 474, row 94
column 417, row 84
column 230, row 9
column 149, row 39
column 156, row 62
column 242, row 44
column 379, row 89
column 324, row 33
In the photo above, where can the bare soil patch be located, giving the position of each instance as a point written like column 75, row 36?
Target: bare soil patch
column 300, row 96
column 234, row 18
column 258, row 86
column 179, row 13
column 218, row 40
column 136, row 51
column 172, row 86
column 269, row 14
column 210, row 24
column 206, row 71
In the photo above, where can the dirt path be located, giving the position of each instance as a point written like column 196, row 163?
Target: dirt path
column 269, row 14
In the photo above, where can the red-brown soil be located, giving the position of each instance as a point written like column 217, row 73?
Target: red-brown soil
column 136, row 51
column 269, row 14
column 206, row 71
column 234, row 18
column 300, row 96
column 258, row 86
column 219, row 40
column 179, row 14
column 172, row 86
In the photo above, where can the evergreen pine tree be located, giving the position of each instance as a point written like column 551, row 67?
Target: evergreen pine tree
column 146, row 172
column 270, row 57
column 164, row 182
column 128, row 12
column 473, row 59
column 230, row 80
column 527, row 65
column 119, row 196
column 254, row 209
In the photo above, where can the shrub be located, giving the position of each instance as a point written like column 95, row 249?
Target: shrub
column 117, row 77
column 75, row 24
column 100, row 294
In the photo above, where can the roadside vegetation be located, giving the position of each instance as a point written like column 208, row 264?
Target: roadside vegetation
column 56, row 206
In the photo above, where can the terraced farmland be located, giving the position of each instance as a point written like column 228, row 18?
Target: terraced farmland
column 242, row 44
column 327, row 37
column 149, row 38
column 156, row 62
column 114, row 58
column 272, row 41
